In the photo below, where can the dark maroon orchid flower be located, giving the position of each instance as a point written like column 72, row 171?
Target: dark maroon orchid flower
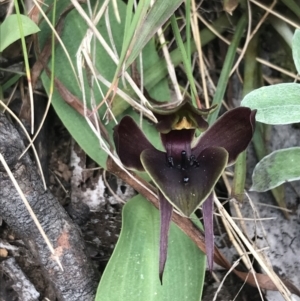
column 185, row 173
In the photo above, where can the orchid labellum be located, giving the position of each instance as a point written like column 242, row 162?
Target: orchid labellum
column 187, row 171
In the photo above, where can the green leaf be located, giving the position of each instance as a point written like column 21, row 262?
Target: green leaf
column 277, row 168
column 72, row 34
column 157, row 15
column 10, row 32
column 276, row 104
column 132, row 272
column 11, row 81
column 296, row 49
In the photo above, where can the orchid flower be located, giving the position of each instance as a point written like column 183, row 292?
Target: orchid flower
column 187, row 171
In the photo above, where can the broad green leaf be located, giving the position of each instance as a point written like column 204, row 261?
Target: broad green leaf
column 158, row 14
column 296, row 49
column 276, row 104
column 72, row 34
column 132, row 272
column 10, row 32
column 277, row 168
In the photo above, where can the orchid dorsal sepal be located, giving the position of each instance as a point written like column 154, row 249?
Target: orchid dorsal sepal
column 184, row 116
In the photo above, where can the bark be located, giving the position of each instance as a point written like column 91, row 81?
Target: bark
column 78, row 280
column 22, row 286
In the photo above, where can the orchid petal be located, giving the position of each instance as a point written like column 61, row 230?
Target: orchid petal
column 233, row 131
column 176, row 141
column 166, row 210
column 207, row 210
column 185, row 189
column 130, row 142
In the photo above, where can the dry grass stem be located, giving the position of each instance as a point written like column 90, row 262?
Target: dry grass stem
column 276, row 207
column 197, row 38
column 111, row 53
column 170, row 66
column 248, row 39
column 295, row 25
column 121, row 201
column 234, row 265
column 59, row 182
column 262, row 20
column 29, row 139
column 234, row 239
column 39, row 128
column 276, row 280
column 260, row 60
column 58, row 38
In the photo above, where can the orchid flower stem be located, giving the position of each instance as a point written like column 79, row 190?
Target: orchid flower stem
column 228, row 63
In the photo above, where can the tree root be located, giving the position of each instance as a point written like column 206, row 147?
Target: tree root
column 78, row 280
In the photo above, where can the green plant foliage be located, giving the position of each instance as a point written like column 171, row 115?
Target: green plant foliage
column 10, row 32
column 157, row 15
column 228, row 63
column 296, row 49
column 276, row 104
column 11, row 81
column 73, row 31
column 132, row 272
column 279, row 167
